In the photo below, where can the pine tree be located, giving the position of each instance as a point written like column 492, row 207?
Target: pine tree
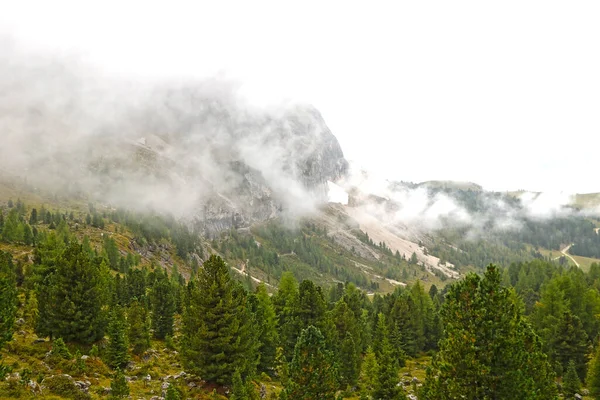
column 139, row 327
column 116, row 352
column 569, row 343
column 239, row 390
column 27, row 235
column 571, row 382
column 488, row 349
column 346, row 348
column 368, row 373
column 8, row 297
column 172, row 393
column 284, row 302
column 119, row 388
column 268, row 336
column 33, row 218
column 163, row 304
column 60, row 350
column 71, row 298
column 386, row 381
column 593, row 374
column 312, row 372
column 218, row 336
column 111, row 252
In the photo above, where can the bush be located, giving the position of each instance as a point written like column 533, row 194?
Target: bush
column 64, row 385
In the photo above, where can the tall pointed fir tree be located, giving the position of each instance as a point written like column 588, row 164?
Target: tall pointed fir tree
column 593, row 374
column 387, row 378
column 139, row 327
column 268, row 337
column 488, row 349
column 119, row 388
column 117, row 350
column 162, row 300
column 571, row 383
column 8, row 297
column 218, row 336
column 312, row 374
column 71, row 298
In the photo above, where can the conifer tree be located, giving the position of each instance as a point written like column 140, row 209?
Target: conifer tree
column 60, row 350
column 593, row 374
column 268, row 337
column 163, row 304
column 116, row 352
column 33, row 218
column 347, row 350
column 239, row 390
column 569, row 343
column 111, row 252
column 488, row 349
column 172, row 393
column 73, row 295
column 386, row 381
column 312, row 373
column 368, row 373
column 139, row 327
column 571, row 383
column 119, row 388
column 218, row 336
column 8, row 297
column 284, row 302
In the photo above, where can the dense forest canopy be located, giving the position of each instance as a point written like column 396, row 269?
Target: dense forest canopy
column 524, row 329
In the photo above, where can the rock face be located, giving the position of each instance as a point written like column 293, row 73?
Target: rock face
column 221, row 165
column 193, row 149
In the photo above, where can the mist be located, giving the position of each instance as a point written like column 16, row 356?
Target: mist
column 417, row 209
column 170, row 146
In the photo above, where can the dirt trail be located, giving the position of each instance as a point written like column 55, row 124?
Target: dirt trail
column 242, row 271
column 565, row 253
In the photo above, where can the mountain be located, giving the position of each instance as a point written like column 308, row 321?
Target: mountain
column 195, row 149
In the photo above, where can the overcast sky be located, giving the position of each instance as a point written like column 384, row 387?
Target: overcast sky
column 504, row 93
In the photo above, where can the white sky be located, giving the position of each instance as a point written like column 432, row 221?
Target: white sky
column 504, row 93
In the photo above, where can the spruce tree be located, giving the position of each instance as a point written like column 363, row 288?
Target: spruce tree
column 386, row 380
column 284, row 302
column 116, row 352
column 71, row 298
column 172, row 393
column 8, row 297
column 33, row 218
column 139, row 327
column 163, row 304
column 60, row 350
column 571, row 383
column 218, row 336
column 312, row 373
column 239, row 390
column 368, row 373
column 593, row 374
column 268, row 337
column 569, row 343
column 119, row 388
column 488, row 349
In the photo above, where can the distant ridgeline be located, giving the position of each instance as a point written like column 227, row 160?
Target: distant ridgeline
column 501, row 229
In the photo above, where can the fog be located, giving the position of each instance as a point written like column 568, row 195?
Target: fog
column 423, row 208
column 168, row 146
